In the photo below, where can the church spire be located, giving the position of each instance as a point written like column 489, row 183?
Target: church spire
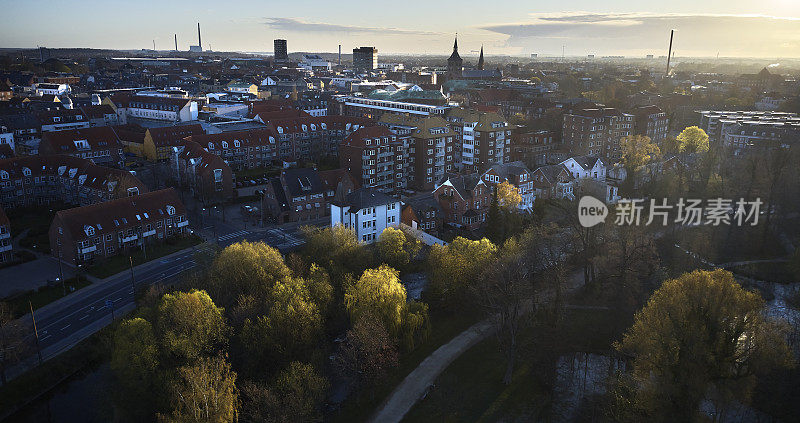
column 455, row 44
column 480, row 59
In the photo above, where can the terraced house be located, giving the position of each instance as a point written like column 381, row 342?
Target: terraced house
column 40, row 180
column 241, row 149
column 84, row 234
column 303, row 194
column 312, row 137
column 208, row 177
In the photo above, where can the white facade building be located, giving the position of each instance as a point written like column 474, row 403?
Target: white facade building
column 53, row 89
column 586, row 167
column 366, row 211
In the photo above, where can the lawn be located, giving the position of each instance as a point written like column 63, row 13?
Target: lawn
column 116, row 264
column 444, row 327
column 45, row 295
column 471, row 388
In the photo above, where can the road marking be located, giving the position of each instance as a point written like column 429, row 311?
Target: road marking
column 44, row 337
column 118, row 299
column 84, row 317
column 64, row 327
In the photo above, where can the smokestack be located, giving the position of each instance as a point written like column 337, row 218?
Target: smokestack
column 176, row 42
column 340, row 55
column 199, row 42
column 669, row 54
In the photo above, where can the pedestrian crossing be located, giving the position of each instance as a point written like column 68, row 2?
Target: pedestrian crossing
column 232, row 235
column 283, row 238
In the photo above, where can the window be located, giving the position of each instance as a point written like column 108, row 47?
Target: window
column 89, row 230
column 171, row 210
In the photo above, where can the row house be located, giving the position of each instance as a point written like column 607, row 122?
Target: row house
column 23, row 130
column 484, row 138
column 464, row 200
column 241, row 149
column 532, row 147
column 99, row 144
column 90, row 233
column 40, row 180
column 303, row 194
column 62, row 119
column 6, row 242
column 208, row 177
column 367, row 211
column 516, row 174
column 423, row 213
column 100, row 115
column 596, row 132
column 553, row 182
column 374, row 157
column 652, row 122
column 312, row 137
column 154, row 108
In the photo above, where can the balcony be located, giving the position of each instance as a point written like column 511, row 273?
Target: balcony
column 130, row 238
column 6, row 248
column 182, row 224
column 148, row 233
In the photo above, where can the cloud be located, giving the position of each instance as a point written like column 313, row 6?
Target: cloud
column 696, row 34
column 297, row 25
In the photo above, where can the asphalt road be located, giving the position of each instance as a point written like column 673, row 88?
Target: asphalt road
column 86, row 311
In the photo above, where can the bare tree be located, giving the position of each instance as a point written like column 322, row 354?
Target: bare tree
column 13, row 345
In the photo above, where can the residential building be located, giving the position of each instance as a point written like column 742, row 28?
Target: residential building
column 206, row 174
column 90, row 233
column 596, row 132
column 484, row 138
column 423, row 213
column 62, row 120
column 312, row 137
column 374, row 157
column 586, row 167
column 158, row 142
column 238, row 87
column 464, row 199
column 280, row 50
column 315, row 63
column 367, row 212
column 303, row 194
column 516, row 174
column 99, row 144
column 40, row 180
column 25, row 131
column 6, row 241
column 652, row 122
column 531, row 146
column 553, row 182
column 100, row 115
column 365, row 59
column 241, row 149
column 153, row 108
column 52, row 89
column 381, row 102
column 745, row 137
column 717, row 122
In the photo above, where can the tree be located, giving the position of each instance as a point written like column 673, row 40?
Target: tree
column 693, row 140
column 378, row 294
column 367, row 353
column 494, row 220
column 637, row 151
column 397, row 249
column 245, row 268
column 290, row 329
column 301, row 391
column 190, row 326
column 204, row 392
column 701, row 336
column 134, row 361
column 454, row 267
column 337, row 249
column 508, row 197
column 13, row 345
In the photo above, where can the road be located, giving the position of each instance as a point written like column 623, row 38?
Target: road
column 66, row 322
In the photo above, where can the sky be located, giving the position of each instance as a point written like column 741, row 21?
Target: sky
column 730, row 28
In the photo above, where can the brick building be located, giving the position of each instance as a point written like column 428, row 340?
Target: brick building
column 464, row 199
column 99, row 144
column 39, row 180
column 6, row 244
column 86, row 234
column 518, row 175
column 208, row 177
column 423, row 213
column 532, row 146
column 652, row 122
column 374, row 157
column 596, row 132
column 304, row 194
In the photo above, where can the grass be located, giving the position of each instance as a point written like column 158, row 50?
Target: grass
column 45, row 295
column 471, row 388
column 116, row 264
column 444, row 328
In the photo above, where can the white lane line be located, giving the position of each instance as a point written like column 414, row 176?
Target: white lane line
column 44, row 337
column 64, row 327
column 118, row 299
column 85, row 316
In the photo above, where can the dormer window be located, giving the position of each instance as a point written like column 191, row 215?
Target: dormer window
column 26, row 171
column 89, row 230
column 224, row 144
column 210, row 146
column 236, row 143
column 3, row 175
column 171, row 210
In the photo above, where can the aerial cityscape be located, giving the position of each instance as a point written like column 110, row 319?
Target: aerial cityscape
column 448, row 212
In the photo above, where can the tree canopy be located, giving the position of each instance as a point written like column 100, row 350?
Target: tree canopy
column 692, row 140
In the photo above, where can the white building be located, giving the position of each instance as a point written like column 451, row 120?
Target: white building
column 158, row 108
column 53, row 89
column 7, row 137
column 366, row 211
column 314, row 62
column 586, row 167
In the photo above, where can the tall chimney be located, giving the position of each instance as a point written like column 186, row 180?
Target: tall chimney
column 199, row 42
column 176, row 42
column 340, row 55
column 669, row 54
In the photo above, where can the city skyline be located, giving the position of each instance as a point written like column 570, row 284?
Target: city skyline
column 731, row 29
